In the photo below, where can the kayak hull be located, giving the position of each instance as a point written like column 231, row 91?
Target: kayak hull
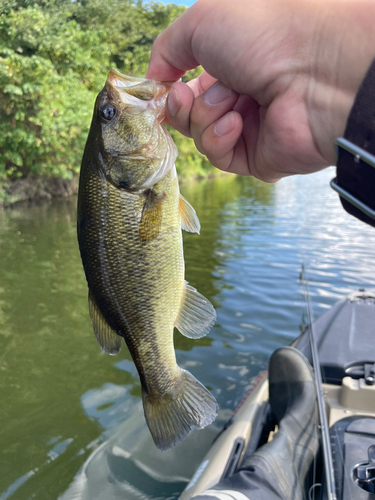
column 345, row 336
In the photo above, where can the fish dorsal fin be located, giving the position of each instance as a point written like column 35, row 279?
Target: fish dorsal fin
column 189, row 218
column 197, row 314
column 108, row 340
column 151, row 216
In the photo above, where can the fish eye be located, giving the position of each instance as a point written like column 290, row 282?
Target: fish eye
column 108, row 112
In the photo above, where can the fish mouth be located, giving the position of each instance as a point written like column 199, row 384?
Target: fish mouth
column 138, row 92
column 138, row 95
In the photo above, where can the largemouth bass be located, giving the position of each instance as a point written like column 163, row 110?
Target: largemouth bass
column 130, row 215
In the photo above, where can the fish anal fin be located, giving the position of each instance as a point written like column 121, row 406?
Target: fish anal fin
column 189, row 218
column 188, row 405
column 108, row 340
column 196, row 315
column 151, row 216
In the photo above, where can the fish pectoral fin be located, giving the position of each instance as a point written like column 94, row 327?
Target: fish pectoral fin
column 196, row 315
column 189, row 218
column 151, row 216
column 108, row 340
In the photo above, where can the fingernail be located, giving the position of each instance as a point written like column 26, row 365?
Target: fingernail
column 225, row 125
column 174, row 104
column 217, row 94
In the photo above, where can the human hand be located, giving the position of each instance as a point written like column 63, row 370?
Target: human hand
column 287, row 70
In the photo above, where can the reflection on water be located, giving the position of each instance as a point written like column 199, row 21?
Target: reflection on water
column 71, row 419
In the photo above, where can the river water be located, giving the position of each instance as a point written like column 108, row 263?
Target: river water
column 71, row 421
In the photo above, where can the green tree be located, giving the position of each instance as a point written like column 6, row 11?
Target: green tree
column 54, row 56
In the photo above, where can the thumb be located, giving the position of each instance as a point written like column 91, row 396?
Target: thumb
column 172, row 52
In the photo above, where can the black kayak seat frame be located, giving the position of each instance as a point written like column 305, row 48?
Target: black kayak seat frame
column 345, row 338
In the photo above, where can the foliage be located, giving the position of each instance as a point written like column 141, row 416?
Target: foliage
column 54, row 56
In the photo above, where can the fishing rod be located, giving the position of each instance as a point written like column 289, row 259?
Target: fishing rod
column 326, row 442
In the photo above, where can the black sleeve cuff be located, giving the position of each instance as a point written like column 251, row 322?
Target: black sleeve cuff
column 355, row 181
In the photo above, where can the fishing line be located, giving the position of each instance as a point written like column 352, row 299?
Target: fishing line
column 326, row 442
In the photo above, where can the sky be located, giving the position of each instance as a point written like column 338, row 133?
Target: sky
column 180, row 2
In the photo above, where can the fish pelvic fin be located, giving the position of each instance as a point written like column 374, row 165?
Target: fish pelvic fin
column 187, row 406
column 189, row 218
column 197, row 314
column 108, row 340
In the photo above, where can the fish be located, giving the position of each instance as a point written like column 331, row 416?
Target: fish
column 129, row 219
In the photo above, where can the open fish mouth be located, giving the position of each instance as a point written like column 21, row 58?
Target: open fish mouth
column 117, row 79
column 139, row 95
column 139, row 92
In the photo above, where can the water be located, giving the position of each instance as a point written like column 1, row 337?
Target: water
column 71, row 419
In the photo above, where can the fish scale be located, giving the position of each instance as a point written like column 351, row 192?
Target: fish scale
column 130, row 214
column 120, row 282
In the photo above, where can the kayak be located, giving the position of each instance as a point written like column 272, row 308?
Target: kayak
column 345, row 339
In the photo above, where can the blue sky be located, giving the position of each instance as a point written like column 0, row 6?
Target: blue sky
column 180, row 2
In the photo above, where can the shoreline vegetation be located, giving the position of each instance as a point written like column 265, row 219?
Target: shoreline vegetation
column 54, row 58
column 34, row 188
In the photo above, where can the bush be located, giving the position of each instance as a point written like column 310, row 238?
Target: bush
column 54, row 56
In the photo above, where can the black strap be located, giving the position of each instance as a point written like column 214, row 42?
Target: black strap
column 355, row 176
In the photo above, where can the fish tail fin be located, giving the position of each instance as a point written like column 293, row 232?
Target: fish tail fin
column 188, row 405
